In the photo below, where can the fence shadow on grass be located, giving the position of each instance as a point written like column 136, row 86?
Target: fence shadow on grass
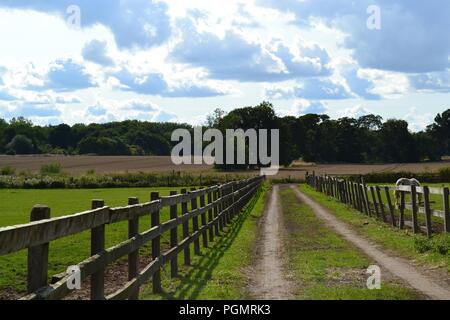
column 193, row 281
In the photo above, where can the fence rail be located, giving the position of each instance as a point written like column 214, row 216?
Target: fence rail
column 369, row 200
column 215, row 206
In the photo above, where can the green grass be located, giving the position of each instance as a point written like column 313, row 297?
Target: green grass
column 220, row 272
column 324, row 266
column 15, row 207
column 402, row 242
column 435, row 199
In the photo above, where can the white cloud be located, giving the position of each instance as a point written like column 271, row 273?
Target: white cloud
column 137, row 23
column 431, row 82
column 418, row 120
column 96, row 51
column 413, row 35
column 310, row 89
column 302, row 107
column 108, row 110
column 235, row 56
column 353, row 112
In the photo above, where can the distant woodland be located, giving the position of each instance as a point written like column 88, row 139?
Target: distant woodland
column 312, row 137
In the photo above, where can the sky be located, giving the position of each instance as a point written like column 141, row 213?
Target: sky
column 89, row 61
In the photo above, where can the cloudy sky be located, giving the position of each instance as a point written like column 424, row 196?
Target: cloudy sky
column 177, row 60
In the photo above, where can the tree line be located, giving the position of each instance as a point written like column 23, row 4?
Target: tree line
column 311, row 137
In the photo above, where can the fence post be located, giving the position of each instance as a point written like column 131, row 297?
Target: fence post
column 357, row 197
column 426, row 198
column 221, row 207
column 38, row 255
column 352, row 194
column 210, row 216
column 156, row 245
column 228, row 206
column 366, row 200
column 187, row 250
column 233, row 200
column 173, row 239
column 445, row 198
column 203, row 220
column 195, row 224
column 391, row 207
column 374, row 199
column 133, row 257
column 98, row 246
column 402, row 210
column 380, row 201
column 216, row 211
column 414, row 209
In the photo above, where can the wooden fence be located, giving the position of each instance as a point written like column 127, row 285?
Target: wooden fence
column 215, row 206
column 369, row 200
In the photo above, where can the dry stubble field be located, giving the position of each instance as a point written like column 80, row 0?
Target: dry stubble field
column 110, row 164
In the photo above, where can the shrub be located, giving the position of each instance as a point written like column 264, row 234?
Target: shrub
column 7, row 171
column 444, row 174
column 441, row 244
column 51, row 169
column 422, row 244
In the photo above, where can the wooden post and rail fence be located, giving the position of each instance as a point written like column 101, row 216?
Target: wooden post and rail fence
column 369, row 200
column 211, row 209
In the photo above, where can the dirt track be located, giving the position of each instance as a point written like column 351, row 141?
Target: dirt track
column 401, row 268
column 269, row 280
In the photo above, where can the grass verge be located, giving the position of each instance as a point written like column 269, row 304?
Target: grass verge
column 401, row 242
column 325, row 266
column 221, row 271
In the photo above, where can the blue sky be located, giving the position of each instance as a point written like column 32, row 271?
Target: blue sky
column 178, row 60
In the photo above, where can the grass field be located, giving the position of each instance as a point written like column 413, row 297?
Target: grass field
column 15, row 206
column 402, row 242
column 324, row 266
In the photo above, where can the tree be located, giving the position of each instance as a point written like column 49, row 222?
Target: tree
column 214, row 119
column 20, row 144
column 103, row 146
column 440, row 131
column 397, row 143
column 61, row 136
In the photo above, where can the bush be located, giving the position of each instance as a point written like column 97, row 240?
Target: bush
column 423, row 245
column 438, row 244
column 441, row 244
column 444, row 174
column 51, row 169
column 7, row 171
column 10, row 152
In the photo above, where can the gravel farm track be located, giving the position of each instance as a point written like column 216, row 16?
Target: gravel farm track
column 159, row 164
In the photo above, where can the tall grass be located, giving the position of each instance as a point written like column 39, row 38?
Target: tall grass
column 442, row 175
column 49, row 178
column 7, row 171
column 51, row 169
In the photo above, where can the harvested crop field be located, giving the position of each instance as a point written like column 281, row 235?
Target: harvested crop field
column 101, row 164
column 114, row 164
